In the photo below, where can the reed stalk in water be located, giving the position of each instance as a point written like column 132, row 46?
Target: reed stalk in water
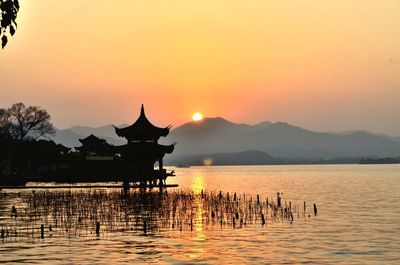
column 99, row 212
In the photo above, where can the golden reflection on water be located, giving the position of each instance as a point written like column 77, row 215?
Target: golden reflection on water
column 357, row 222
column 199, row 238
column 197, row 183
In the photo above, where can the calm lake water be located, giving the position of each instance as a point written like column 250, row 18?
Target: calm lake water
column 358, row 222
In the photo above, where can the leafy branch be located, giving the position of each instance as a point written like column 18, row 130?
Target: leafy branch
column 8, row 14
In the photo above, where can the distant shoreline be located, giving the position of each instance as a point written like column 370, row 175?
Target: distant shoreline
column 262, row 158
column 283, row 164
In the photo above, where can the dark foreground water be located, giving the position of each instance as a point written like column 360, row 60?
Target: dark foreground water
column 358, row 222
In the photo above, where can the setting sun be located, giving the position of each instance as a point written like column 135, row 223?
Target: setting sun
column 197, row 116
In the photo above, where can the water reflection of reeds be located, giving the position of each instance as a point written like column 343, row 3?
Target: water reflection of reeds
column 102, row 212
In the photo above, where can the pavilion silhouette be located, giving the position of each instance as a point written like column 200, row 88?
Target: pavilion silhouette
column 98, row 161
column 142, row 150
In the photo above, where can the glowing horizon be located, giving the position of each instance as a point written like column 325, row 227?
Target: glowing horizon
column 322, row 65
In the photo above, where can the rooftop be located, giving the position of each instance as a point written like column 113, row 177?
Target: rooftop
column 142, row 129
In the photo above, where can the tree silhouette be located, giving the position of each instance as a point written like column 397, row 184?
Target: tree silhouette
column 5, row 124
column 24, row 123
column 8, row 15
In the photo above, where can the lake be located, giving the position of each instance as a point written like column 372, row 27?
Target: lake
column 358, row 222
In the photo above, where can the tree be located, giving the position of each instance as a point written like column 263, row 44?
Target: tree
column 5, row 124
column 24, row 123
column 8, row 14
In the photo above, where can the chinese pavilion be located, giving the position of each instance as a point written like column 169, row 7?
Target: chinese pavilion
column 98, row 161
column 94, row 145
column 142, row 150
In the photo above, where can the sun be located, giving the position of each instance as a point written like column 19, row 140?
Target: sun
column 197, row 116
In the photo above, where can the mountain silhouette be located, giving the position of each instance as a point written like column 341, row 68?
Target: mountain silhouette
column 278, row 139
column 70, row 137
column 241, row 158
column 67, row 137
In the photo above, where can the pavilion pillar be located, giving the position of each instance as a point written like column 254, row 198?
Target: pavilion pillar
column 161, row 169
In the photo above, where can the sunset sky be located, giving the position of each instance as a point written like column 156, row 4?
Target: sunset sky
column 322, row 65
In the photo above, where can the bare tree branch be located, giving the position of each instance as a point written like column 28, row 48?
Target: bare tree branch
column 23, row 123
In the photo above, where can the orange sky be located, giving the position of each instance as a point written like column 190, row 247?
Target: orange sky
column 323, row 65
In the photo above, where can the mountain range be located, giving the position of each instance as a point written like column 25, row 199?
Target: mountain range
column 276, row 141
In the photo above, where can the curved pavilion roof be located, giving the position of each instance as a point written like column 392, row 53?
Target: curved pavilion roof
column 92, row 139
column 94, row 144
column 142, row 129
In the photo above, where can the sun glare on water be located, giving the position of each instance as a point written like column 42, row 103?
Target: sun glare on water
column 197, row 116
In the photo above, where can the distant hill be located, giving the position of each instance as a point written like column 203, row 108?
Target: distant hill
column 70, row 137
column 241, row 158
column 216, row 135
column 250, row 158
column 394, row 138
column 279, row 139
column 106, row 130
column 67, row 138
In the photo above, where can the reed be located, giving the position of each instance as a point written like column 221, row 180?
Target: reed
column 100, row 212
